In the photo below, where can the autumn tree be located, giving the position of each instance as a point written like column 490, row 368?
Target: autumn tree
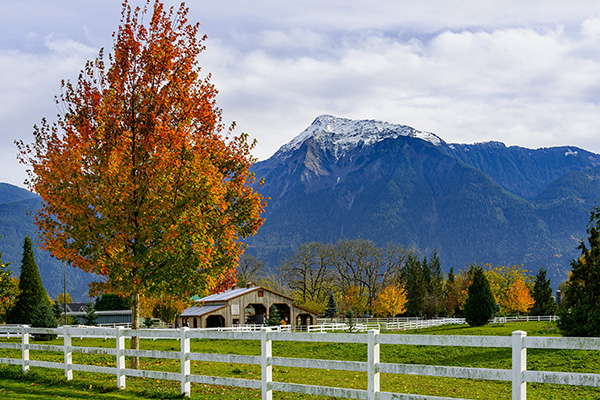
column 505, row 283
column 63, row 298
column 518, row 299
column 9, row 289
column 456, row 290
column 352, row 301
column 580, row 308
column 391, row 301
column 31, row 290
column 542, row 295
column 141, row 182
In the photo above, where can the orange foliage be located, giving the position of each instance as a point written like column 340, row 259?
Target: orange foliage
column 391, row 301
column 141, row 182
column 353, row 300
column 518, row 299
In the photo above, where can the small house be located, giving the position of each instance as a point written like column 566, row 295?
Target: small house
column 250, row 305
column 110, row 317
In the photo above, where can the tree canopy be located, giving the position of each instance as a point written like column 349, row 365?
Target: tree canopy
column 580, row 308
column 542, row 294
column 142, row 184
column 480, row 305
column 31, row 289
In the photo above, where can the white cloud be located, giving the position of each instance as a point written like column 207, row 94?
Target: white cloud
column 525, row 73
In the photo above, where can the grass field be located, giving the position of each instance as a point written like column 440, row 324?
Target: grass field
column 50, row 384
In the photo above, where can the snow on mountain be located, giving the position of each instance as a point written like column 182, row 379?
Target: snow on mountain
column 342, row 134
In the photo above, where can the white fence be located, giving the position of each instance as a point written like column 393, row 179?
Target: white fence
column 402, row 324
column 519, row 375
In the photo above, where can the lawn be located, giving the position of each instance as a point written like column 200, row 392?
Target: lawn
column 50, row 384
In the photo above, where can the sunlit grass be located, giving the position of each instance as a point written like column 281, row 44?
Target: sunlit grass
column 48, row 383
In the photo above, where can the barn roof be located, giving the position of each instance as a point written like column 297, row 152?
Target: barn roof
column 196, row 311
column 233, row 293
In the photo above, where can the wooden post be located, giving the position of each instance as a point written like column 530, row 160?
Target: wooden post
column 25, row 348
column 372, row 364
column 519, row 365
column 120, row 339
column 68, row 353
column 266, row 367
column 185, row 363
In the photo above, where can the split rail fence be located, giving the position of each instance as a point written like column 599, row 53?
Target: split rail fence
column 518, row 375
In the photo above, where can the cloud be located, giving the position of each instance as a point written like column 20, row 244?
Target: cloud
column 525, row 73
column 524, row 86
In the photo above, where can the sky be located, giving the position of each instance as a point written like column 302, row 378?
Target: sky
column 525, row 73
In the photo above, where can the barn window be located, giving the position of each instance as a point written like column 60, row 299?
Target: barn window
column 261, row 293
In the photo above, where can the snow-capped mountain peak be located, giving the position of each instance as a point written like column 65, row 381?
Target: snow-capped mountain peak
column 342, row 134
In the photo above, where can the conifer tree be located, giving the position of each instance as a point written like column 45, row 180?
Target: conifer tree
column 331, row 310
column 414, row 280
column 480, row 305
column 43, row 317
column 30, row 286
column 274, row 316
column 89, row 318
column 542, row 294
column 580, row 308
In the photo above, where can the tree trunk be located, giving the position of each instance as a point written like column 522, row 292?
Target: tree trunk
column 135, row 324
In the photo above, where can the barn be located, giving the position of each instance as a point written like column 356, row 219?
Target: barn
column 249, row 305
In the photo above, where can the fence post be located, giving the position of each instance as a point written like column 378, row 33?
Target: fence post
column 266, row 346
column 25, row 347
column 185, row 362
column 519, row 365
column 120, row 339
column 373, row 364
column 68, row 353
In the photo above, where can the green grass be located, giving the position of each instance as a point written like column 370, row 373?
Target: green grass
column 50, row 384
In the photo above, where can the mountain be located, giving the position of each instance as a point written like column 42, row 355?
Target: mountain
column 483, row 203
column 17, row 208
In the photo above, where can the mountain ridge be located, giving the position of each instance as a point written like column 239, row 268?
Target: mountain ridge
column 473, row 203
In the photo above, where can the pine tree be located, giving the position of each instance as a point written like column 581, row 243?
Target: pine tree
column 30, row 286
column 274, row 316
column 480, row 305
column 331, row 310
column 580, row 308
column 89, row 318
column 43, row 317
column 414, row 280
column 542, row 294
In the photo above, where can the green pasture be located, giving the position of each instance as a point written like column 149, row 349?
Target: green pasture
column 41, row 383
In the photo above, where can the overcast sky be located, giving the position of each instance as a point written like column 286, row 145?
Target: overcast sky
column 525, row 73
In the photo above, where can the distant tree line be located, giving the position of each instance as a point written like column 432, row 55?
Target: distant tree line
column 357, row 277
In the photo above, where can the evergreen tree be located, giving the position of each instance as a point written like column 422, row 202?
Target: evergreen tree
column 30, row 286
column 480, row 305
column 580, row 308
column 331, row 310
column 89, row 318
column 433, row 302
column 274, row 316
column 414, row 282
column 111, row 301
column 43, row 317
column 542, row 294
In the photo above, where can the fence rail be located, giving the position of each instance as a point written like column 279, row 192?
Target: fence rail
column 518, row 375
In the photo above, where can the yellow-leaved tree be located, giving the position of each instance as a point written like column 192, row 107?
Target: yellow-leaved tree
column 391, row 301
